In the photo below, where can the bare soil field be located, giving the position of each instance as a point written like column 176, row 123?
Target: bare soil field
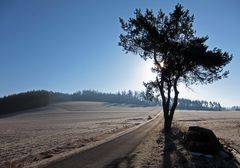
column 36, row 137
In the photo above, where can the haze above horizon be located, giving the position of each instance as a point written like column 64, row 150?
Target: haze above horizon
column 67, row 46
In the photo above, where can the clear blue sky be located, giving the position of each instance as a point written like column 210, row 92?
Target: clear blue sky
column 70, row 45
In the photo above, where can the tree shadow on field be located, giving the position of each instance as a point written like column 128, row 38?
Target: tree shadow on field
column 16, row 113
column 175, row 154
column 125, row 162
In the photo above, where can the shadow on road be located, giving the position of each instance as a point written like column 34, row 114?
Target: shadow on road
column 124, row 162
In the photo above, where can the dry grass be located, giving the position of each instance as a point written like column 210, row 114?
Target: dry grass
column 226, row 125
column 47, row 134
column 164, row 151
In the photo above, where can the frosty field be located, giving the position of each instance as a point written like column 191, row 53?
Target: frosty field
column 35, row 137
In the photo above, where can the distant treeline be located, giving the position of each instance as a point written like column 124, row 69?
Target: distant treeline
column 130, row 97
column 24, row 101
column 41, row 98
column 187, row 104
column 234, row 108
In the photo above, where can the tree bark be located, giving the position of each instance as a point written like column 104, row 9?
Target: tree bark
column 175, row 101
column 167, row 84
column 167, row 111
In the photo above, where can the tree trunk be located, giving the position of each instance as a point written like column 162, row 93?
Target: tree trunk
column 165, row 85
column 168, row 112
column 175, row 102
column 167, row 118
column 167, row 125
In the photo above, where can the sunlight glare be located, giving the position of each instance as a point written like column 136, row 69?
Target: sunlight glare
column 147, row 73
column 162, row 64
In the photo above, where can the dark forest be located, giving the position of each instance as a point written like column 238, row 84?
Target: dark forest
column 41, row 98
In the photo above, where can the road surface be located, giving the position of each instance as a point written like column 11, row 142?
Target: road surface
column 106, row 154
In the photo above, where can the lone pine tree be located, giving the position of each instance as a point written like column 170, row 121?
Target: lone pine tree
column 178, row 55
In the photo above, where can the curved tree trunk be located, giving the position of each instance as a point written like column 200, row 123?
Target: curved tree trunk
column 166, row 84
column 167, row 110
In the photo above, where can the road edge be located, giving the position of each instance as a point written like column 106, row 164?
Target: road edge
column 91, row 146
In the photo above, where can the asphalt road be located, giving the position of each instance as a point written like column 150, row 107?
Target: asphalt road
column 110, row 152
